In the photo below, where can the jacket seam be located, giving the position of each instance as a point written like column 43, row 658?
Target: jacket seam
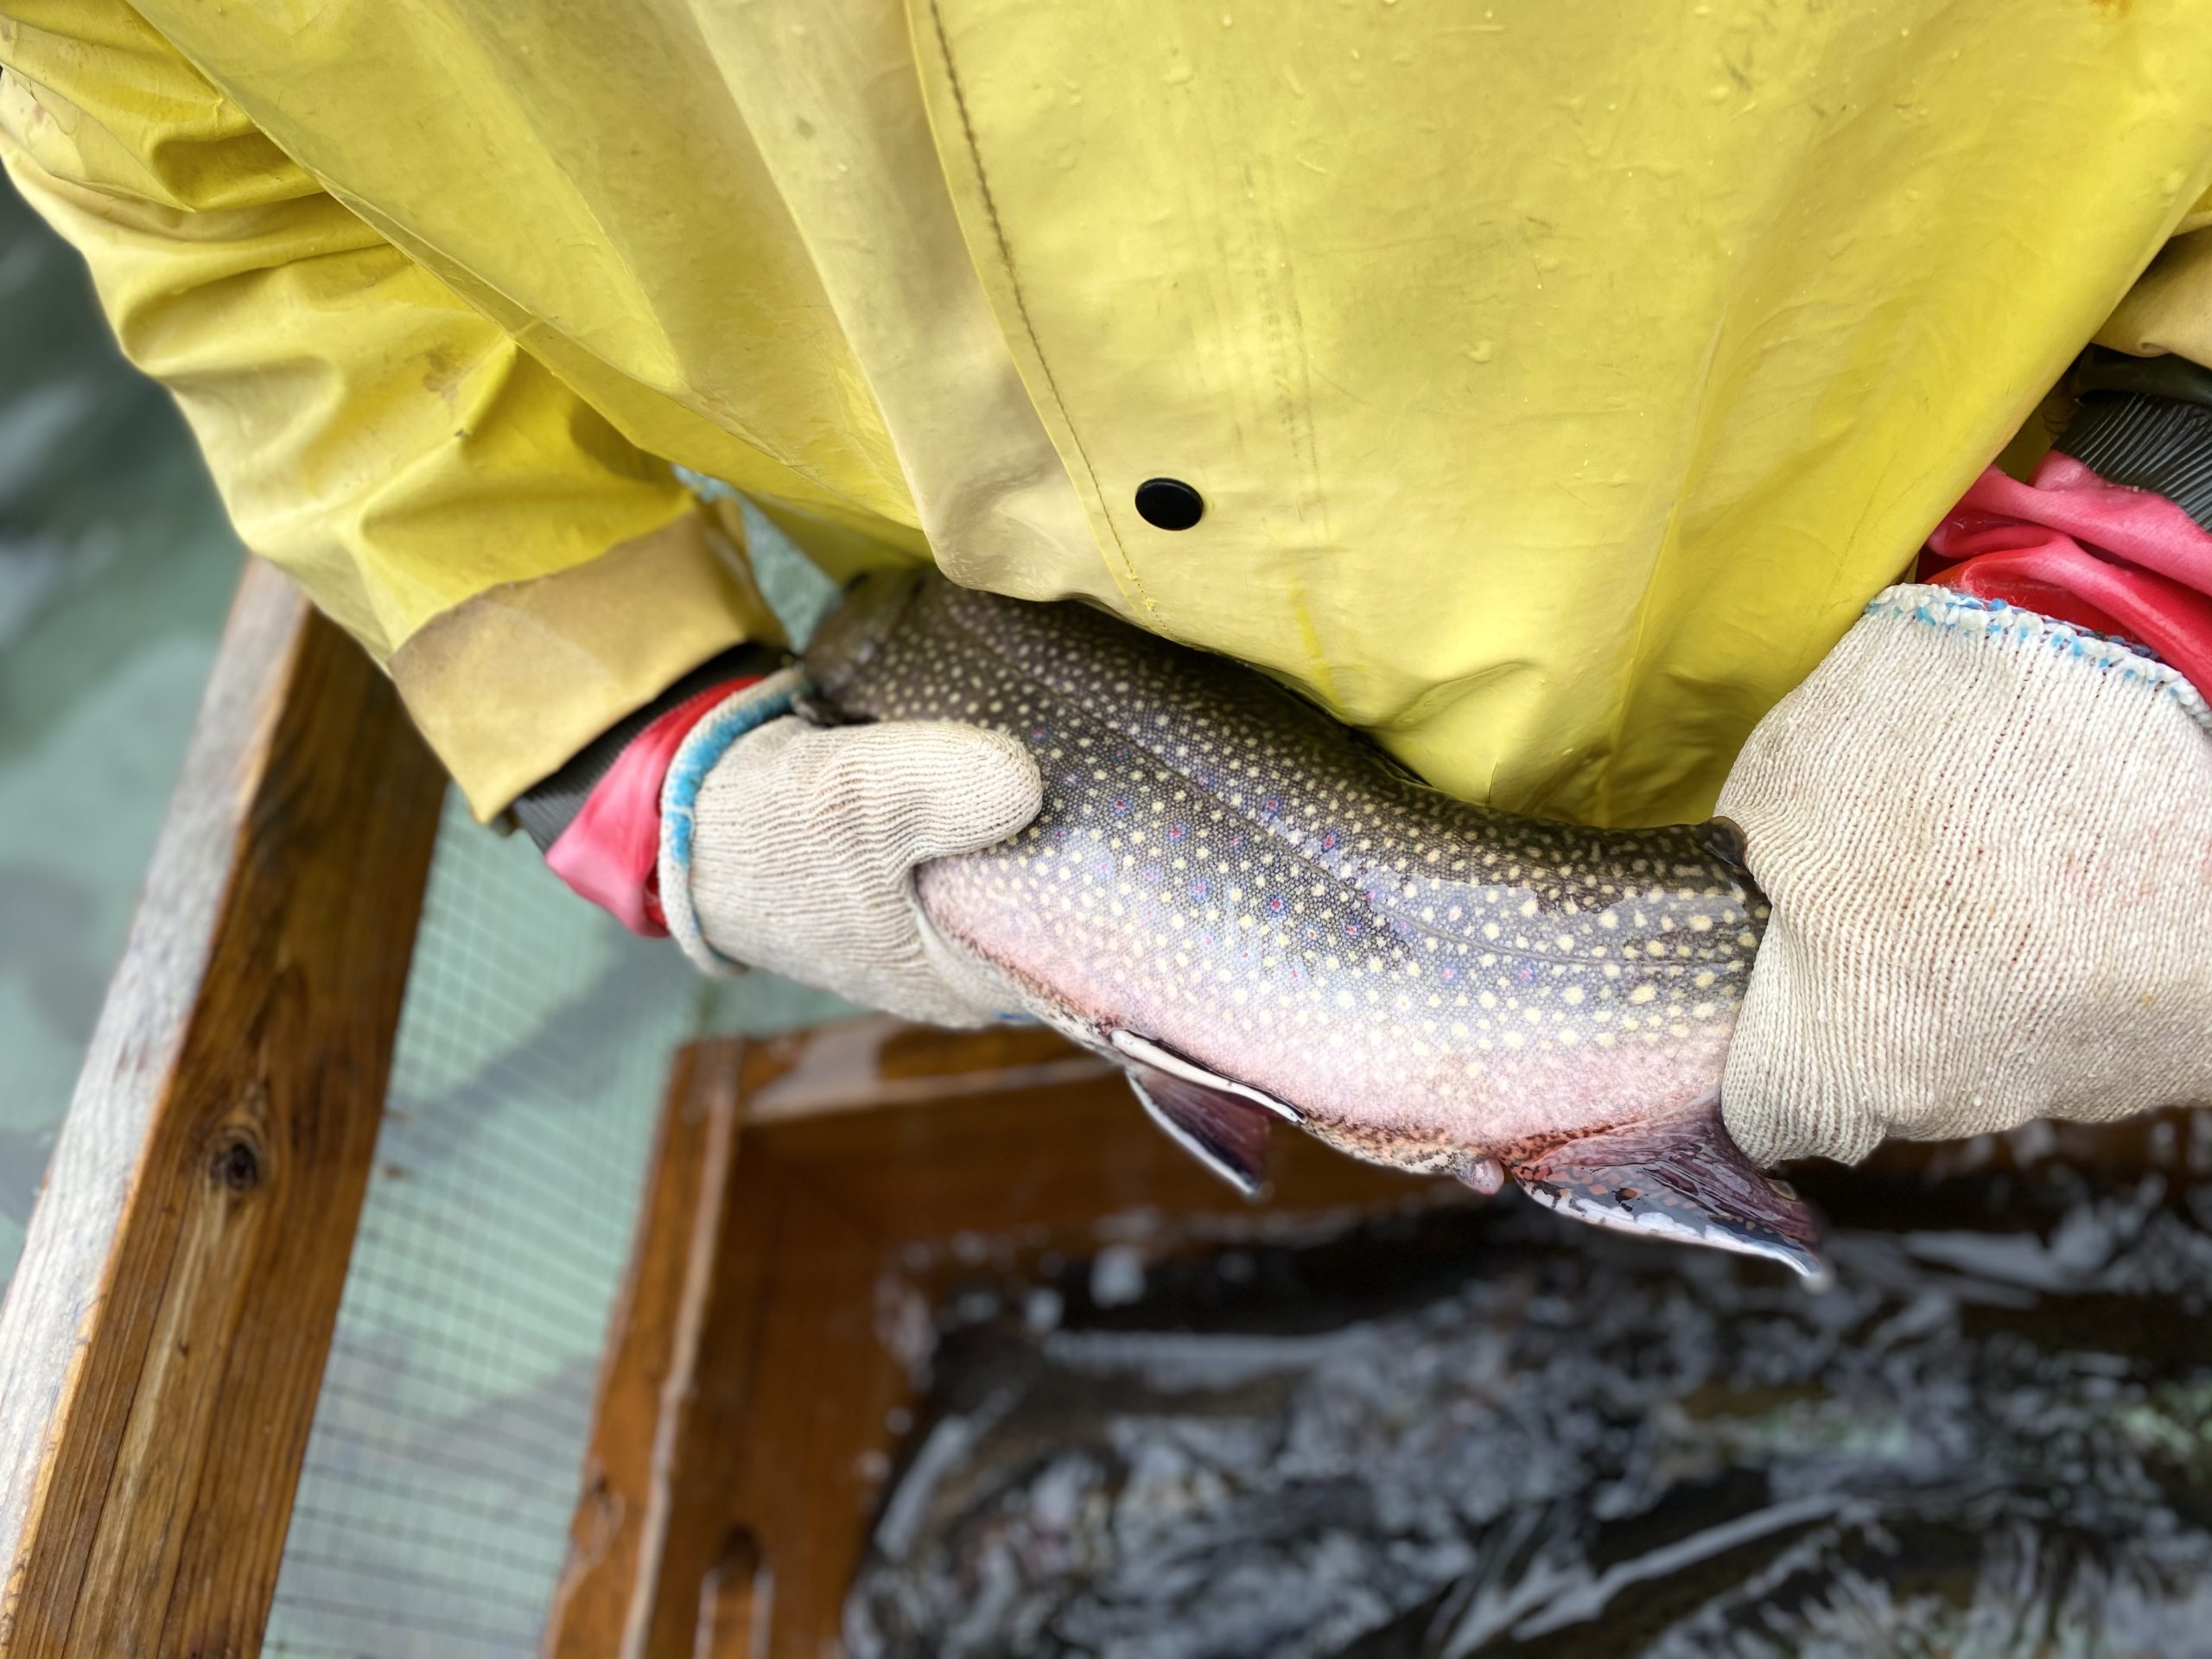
column 1021, row 305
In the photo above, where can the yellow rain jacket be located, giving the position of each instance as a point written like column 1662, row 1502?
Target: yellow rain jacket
column 1560, row 379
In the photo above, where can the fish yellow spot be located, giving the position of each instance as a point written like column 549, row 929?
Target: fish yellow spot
column 1643, row 994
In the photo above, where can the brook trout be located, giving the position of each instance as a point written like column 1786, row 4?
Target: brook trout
column 1264, row 919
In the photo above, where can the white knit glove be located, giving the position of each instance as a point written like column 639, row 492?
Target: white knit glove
column 792, row 848
column 1987, row 840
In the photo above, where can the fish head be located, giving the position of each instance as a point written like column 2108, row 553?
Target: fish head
column 852, row 634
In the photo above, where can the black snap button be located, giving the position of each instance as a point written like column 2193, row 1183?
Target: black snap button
column 1169, row 504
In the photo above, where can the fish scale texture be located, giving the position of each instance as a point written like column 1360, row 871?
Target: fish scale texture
column 1223, row 869
column 1987, row 840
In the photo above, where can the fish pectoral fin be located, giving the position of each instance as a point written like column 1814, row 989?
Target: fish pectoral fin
column 1226, row 1132
column 1143, row 1051
column 1681, row 1177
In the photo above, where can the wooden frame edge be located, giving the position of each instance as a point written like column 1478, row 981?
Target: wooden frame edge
column 162, row 1341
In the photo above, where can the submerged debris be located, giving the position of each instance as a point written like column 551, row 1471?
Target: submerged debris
column 1463, row 1433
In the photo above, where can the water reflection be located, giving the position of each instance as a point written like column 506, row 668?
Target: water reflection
column 1479, row 1432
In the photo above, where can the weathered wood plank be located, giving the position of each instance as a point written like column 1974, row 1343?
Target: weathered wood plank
column 744, row 1329
column 813, row 1419
column 651, row 1353
column 162, row 1341
column 734, row 1605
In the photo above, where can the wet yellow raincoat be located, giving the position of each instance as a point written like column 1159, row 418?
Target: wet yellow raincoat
column 1559, row 379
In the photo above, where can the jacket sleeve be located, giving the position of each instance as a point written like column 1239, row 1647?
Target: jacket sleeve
column 2099, row 515
column 2170, row 307
column 525, row 574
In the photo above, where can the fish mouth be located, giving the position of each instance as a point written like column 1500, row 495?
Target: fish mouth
column 850, row 636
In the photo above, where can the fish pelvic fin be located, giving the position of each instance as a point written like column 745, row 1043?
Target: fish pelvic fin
column 1681, row 1177
column 1226, row 1132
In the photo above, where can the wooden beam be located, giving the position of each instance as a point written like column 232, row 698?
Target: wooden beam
column 162, row 1341
column 734, row 1605
column 651, row 1360
column 922, row 1134
column 748, row 1302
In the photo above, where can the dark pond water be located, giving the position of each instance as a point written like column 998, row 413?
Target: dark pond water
column 1486, row 1431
